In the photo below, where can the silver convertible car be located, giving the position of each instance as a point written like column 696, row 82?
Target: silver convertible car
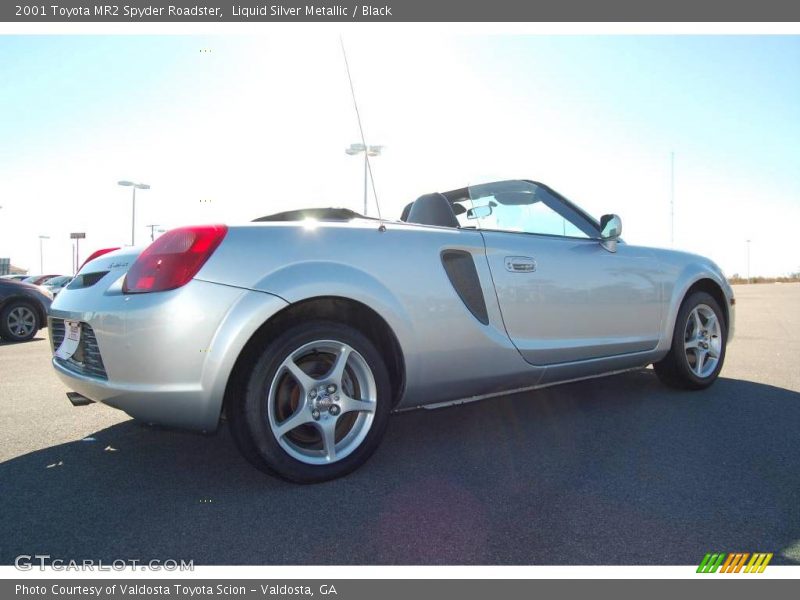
column 306, row 329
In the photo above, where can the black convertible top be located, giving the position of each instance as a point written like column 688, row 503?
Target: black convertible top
column 318, row 214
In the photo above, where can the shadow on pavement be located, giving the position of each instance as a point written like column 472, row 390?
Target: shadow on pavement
column 34, row 339
column 613, row 471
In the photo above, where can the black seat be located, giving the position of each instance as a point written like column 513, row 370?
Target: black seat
column 432, row 209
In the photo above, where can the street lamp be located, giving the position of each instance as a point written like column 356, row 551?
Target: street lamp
column 135, row 186
column 368, row 151
column 41, row 253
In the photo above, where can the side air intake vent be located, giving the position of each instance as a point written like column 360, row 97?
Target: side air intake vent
column 86, row 280
column 461, row 271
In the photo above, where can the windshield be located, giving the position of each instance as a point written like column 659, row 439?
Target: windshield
column 521, row 206
column 58, row 280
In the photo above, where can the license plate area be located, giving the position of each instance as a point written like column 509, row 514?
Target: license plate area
column 72, row 339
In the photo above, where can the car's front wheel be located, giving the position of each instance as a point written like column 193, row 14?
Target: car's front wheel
column 315, row 405
column 698, row 345
column 18, row 322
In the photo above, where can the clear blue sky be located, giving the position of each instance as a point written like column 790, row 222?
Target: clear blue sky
column 258, row 124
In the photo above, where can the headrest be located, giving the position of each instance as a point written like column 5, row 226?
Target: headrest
column 432, row 209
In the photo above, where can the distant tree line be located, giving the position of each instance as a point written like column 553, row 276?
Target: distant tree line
column 790, row 278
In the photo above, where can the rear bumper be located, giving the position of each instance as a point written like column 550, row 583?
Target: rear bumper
column 167, row 355
column 175, row 405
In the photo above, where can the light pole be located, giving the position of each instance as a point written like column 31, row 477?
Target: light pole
column 41, row 253
column 368, row 151
column 748, row 261
column 135, row 186
column 77, row 236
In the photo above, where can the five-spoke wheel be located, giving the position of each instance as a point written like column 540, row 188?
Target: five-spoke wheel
column 321, row 401
column 702, row 340
column 315, row 405
column 698, row 345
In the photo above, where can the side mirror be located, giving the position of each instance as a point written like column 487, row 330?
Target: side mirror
column 610, row 230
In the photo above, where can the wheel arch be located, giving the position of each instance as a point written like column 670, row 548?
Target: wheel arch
column 334, row 308
column 699, row 282
column 672, row 368
column 711, row 287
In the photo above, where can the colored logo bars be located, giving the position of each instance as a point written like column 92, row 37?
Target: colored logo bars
column 733, row 562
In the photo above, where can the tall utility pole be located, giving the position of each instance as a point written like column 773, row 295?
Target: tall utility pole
column 748, row 261
column 672, row 199
column 41, row 253
column 135, row 186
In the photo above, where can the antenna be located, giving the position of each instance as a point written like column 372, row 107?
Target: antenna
column 363, row 137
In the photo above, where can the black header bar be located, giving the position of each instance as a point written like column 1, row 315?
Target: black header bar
column 178, row 11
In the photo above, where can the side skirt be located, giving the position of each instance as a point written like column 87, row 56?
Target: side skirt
column 515, row 391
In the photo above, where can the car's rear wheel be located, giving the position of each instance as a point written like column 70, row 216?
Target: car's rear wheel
column 315, row 405
column 18, row 322
column 698, row 345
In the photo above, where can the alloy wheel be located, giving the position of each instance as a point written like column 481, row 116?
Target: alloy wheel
column 321, row 402
column 702, row 340
column 21, row 321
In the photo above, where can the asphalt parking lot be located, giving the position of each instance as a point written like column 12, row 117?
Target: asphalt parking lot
column 619, row 470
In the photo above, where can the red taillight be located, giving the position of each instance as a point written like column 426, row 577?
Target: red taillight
column 96, row 254
column 173, row 259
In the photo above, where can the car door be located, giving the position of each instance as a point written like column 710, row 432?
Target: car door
column 563, row 296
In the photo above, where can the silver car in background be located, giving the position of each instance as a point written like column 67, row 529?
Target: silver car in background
column 308, row 328
column 56, row 284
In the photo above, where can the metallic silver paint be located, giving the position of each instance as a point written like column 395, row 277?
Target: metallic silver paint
column 169, row 354
column 582, row 302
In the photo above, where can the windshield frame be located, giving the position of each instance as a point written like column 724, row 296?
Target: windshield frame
column 593, row 224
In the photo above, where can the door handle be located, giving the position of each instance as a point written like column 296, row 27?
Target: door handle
column 520, row 264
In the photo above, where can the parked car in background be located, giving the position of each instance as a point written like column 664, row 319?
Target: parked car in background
column 309, row 327
column 14, row 277
column 38, row 279
column 23, row 310
column 56, row 284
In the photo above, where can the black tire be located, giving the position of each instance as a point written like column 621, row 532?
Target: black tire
column 247, row 408
column 675, row 369
column 14, row 335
